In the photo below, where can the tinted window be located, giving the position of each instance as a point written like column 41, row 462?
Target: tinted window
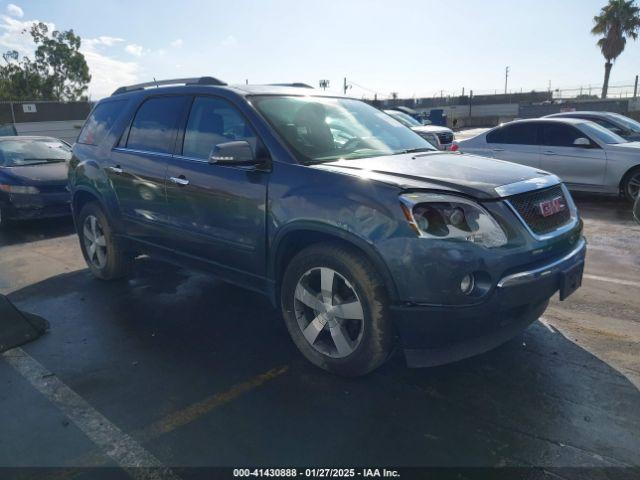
column 600, row 133
column 559, row 135
column 213, row 121
column 154, row 127
column 515, row 134
column 100, row 121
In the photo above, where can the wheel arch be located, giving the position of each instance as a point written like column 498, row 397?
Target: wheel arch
column 630, row 170
column 294, row 238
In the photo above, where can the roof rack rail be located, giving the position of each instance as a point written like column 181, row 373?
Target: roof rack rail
column 295, row 84
column 175, row 81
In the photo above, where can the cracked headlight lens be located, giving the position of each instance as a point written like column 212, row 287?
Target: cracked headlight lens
column 441, row 216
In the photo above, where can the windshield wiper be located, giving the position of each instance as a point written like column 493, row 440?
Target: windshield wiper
column 40, row 161
column 415, row 150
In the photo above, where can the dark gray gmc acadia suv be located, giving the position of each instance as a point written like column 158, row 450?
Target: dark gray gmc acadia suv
column 363, row 234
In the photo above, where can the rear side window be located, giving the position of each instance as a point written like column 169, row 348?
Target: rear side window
column 154, row 126
column 100, row 122
column 559, row 135
column 515, row 134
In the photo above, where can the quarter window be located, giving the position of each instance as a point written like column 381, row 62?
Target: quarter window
column 515, row 134
column 100, row 122
column 559, row 135
column 213, row 121
column 154, row 126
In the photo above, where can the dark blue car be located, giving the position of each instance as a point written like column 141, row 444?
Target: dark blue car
column 33, row 178
column 363, row 234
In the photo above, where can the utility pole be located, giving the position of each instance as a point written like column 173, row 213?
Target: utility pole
column 470, row 101
column 635, row 88
column 344, row 86
column 506, row 79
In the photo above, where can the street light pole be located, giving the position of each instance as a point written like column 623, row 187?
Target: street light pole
column 506, row 79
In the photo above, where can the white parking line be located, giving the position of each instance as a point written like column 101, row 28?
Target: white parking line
column 629, row 283
column 124, row 450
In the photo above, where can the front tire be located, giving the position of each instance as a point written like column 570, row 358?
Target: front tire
column 631, row 185
column 101, row 249
column 335, row 307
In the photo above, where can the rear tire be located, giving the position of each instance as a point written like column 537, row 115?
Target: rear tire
column 102, row 250
column 631, row 185
column 335, row 307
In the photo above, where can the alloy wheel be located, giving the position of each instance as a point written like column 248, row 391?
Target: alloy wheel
column 329, row 312
column 95, row 242
column 633, row 185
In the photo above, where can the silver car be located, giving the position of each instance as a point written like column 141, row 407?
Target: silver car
column 626, row 127
column 587, row 156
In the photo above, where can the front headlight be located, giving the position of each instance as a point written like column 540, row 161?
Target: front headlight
column 432, row 138
column 441, row 216
column 19, row 189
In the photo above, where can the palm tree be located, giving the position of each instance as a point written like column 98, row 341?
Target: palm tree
column 617, row 21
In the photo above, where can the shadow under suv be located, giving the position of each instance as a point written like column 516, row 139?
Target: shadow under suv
column 360, row 231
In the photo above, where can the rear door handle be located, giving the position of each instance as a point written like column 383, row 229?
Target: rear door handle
column 179, row 180
column 498, row 149
column 549, row 152
column 117, row 169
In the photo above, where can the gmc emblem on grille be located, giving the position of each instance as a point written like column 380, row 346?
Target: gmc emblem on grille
column 551, row 207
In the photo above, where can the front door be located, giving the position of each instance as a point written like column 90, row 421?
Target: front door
column 217, row 213
column 575, row 165
column 138, row 166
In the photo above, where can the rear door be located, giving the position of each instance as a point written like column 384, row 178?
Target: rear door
column 139, row 163
column 516, row 142
column 576, row 165
column 217, row 212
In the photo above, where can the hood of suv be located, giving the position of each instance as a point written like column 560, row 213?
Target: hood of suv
column 459, row 173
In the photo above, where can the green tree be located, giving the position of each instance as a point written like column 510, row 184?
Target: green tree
column 58, row 72
column 617, row 21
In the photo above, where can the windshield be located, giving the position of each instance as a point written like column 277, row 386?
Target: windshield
column 403, row 118
column 322, row 129
column 628, row 123
column 603, row 134
column 15, row 153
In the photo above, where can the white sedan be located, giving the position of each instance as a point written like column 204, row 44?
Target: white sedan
column 585, row 155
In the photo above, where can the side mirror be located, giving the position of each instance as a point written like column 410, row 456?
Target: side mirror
column 582, row 142
column 233, row 153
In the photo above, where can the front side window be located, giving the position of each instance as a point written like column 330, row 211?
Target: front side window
column 213, row 121
column 154, row 126
column 515, row 134
column 560, row 135
column 320, row 129
column 16, row 153
column 100, row 122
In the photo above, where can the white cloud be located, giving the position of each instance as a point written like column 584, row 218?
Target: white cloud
column 14, row 34
column 103, row 40
column 229, row 41
column 107, row 73
column 177, row 43
column 134, row 49
column 15, row 11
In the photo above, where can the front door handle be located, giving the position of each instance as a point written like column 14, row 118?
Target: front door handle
column 181, row 180
column 549, row 152
column 498, row 149
column 115, row 169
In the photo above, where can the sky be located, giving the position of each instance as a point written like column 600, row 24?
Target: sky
column 412, row 47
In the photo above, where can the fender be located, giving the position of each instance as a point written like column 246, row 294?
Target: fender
column 276, row 252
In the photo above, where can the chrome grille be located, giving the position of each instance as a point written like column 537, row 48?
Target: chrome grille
column 529, row 206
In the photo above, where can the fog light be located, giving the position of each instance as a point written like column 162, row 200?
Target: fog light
column 467, row 284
